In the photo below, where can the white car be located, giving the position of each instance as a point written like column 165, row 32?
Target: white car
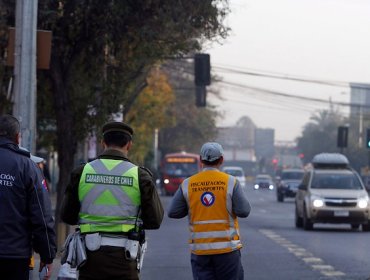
column 237, row 172
column 332, row 192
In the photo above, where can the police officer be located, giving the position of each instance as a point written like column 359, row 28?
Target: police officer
column 111, row 200
column 26, row 220
column 213, row 200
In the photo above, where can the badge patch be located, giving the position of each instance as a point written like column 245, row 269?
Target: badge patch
column 45, row 185
column 207, row 199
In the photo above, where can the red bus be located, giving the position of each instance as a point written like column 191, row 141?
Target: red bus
column 175, row 168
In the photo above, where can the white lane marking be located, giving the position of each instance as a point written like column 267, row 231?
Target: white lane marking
column 301, row 253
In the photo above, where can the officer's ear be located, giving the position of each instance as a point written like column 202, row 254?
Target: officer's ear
column 221, row 161
column 129, row 144
column 18, row 138
column 104, row 145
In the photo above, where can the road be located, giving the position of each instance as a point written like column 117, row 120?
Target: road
column 273, row 247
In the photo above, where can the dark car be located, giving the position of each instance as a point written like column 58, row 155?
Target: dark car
column 263, row 181
column 288, row 183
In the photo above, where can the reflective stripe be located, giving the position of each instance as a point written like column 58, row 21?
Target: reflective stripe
column 211, row 234
column 185, row 191
column 124, row 209
column 108, row 220
column 233, row 244
column 211, row 222
column 105, row 228
column 230, row 188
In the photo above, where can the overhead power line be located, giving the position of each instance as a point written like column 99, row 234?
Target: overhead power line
column 276, row 93
column 265, row 74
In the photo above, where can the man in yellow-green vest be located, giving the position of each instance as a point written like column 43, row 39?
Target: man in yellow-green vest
column 113, row 201
column 212, row 200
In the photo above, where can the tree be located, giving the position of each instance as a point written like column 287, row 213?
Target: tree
column 149, row 112
column 191, row 126
column 320, row 134
column 102, row 52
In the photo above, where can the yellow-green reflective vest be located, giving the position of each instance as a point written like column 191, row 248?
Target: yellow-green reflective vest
column 109, row 195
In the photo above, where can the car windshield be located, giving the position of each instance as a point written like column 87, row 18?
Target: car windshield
column 181, row 169
column 293, row 175
column 336, row 181
column 234, row 172
column 263, row 179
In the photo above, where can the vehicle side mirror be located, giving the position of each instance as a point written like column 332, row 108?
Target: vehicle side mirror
column 302, row 187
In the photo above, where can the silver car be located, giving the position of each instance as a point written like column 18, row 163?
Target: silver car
column 332, row 192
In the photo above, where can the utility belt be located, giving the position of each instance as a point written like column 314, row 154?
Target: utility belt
column 93, row 242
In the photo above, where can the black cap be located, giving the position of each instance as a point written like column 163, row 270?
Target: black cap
column 117, row 126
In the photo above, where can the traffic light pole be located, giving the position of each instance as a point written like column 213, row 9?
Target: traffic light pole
column 24, row 108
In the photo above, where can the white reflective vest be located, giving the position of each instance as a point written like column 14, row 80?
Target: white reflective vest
column 213, row 227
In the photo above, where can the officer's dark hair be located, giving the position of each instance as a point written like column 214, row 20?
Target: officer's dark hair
column 9, row 127
column 116, row 138
column 211, row 163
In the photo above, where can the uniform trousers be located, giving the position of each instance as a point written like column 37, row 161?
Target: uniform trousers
column 108, row 263
column 14, row 269
column 217, row 267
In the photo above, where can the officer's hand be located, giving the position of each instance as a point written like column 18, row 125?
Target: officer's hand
column 45, row 271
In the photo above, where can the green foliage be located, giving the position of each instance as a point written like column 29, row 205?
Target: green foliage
column 320, row 134
column 150, row 112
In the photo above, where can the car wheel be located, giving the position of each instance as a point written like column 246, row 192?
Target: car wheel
column 366, row 227
column 298, row 220
column 307, row 224
column 280, row 197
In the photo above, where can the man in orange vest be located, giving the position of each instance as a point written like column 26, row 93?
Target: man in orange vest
column 213, row 200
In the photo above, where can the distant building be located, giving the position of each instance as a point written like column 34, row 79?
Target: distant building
column 360, row 109
column 264, row 143
column 360, row 99
column 238, row 141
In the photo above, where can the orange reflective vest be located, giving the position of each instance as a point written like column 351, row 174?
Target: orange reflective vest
column 213, row 227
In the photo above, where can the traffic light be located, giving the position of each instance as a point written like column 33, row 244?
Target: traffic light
column 200, row 96
column 342, row 140
column 367, row 143
column 202, row 69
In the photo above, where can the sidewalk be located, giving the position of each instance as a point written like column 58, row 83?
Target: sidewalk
column 56, row 262
column 54, row 272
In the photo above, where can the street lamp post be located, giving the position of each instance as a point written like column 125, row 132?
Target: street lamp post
column 25, row 71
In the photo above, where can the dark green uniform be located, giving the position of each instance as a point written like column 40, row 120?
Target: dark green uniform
column 110, row 262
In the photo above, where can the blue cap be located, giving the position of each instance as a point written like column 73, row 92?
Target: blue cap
column 211, row 151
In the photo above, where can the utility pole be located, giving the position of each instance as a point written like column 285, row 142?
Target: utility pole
column 24, row 108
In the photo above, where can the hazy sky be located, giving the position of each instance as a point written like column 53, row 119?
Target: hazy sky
column 326, row 40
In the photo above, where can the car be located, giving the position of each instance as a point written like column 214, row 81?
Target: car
column 263, row 181
column 288, row 183
column 237, row 172
column 331, row 192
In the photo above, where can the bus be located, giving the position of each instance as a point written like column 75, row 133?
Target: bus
column 175, row 168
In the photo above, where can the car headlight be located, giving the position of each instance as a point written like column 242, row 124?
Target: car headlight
column 166, row 181
column 271, row 187
column 256, row 186
column 317, row 201
column 362, row 202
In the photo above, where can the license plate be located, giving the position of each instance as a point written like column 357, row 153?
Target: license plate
column 341, row 213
